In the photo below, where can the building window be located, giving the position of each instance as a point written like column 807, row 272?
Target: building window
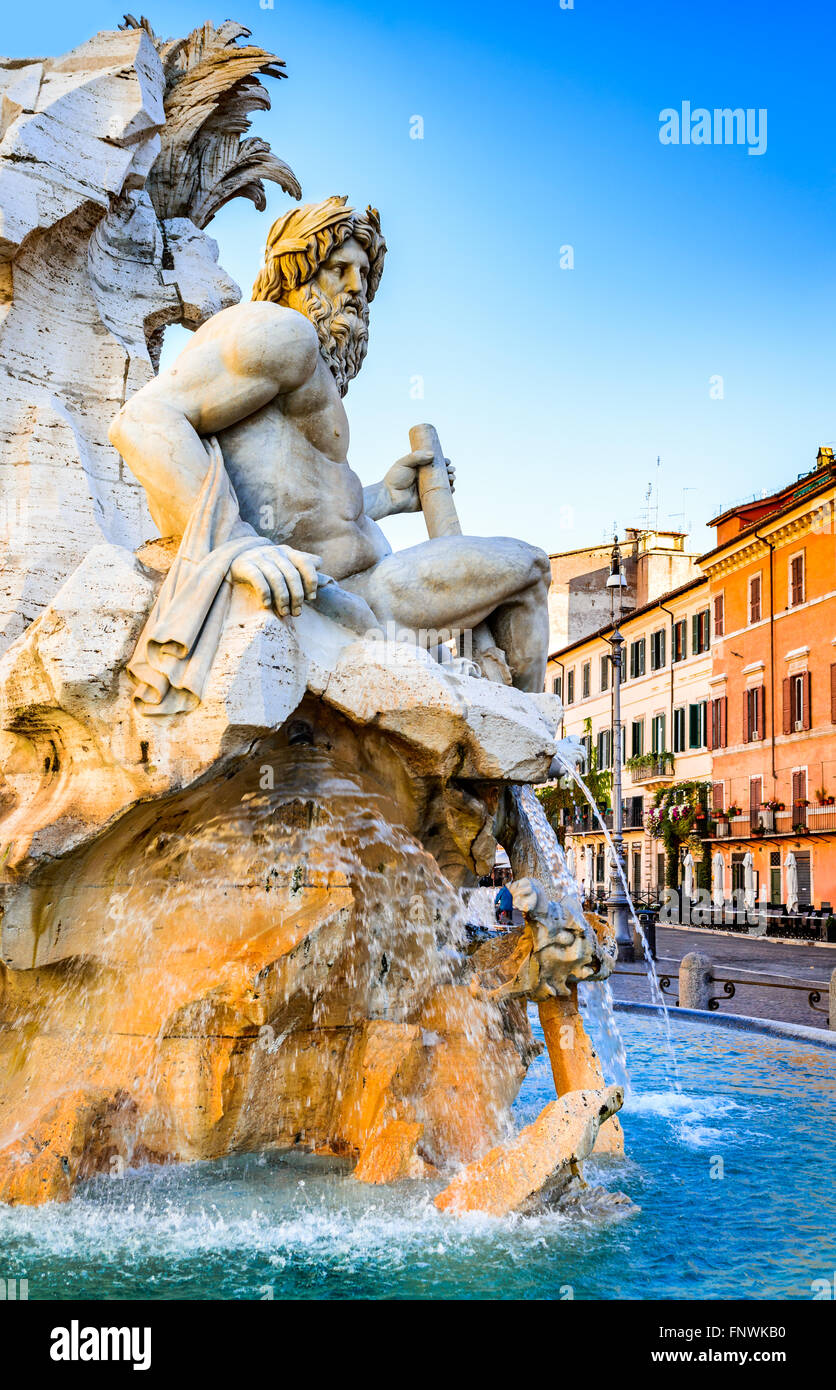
column 585, row 680
column 605, row 673
column 679, row 730
column 605, row 749
column 697, row 724
column 557, row 685
column 797, row 686
column 754, row 714
column 717, row 719
column 755, row 799
column 657, row 650
column 717, row 797
column 587, row 745
column 701, row 639
column 796, row 584
column 797, row 703
column 755, row 599
column 657, row 734
column 570, row 686
column 637, row 658
column 799, row 787
column 738, row 872
column 680, row 640
column 637, row 738
column 719, row 614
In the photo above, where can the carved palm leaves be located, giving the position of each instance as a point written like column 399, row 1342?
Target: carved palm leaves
column 206, row 158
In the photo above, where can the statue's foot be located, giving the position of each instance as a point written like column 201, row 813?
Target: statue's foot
column 493, row 666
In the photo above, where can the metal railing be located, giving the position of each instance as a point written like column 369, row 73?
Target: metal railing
column 661, row 766
column 730, row 982
column 800, row 818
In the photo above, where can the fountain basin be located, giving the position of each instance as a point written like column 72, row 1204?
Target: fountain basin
column 296, row 1226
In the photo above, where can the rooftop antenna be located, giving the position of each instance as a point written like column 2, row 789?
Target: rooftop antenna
column 658, row 491
column 686, row 524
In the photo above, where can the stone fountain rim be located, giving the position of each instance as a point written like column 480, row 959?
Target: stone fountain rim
column 822, row 1037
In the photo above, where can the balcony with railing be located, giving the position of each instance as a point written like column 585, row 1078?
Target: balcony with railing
column 652, row 768
column 801, row 818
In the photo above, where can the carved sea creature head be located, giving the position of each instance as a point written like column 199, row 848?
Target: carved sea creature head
column 326, row 260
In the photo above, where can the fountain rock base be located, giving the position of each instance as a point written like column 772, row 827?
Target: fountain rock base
column 236, row 969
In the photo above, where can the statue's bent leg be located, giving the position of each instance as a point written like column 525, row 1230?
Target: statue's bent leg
column 452, row 583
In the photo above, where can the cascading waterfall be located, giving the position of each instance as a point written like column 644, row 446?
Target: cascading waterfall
column 597, row 996
column 552, row 855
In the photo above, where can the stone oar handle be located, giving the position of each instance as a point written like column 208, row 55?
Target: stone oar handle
column 434, row 486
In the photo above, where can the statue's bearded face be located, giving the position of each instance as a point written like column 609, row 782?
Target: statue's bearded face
column 334, row 300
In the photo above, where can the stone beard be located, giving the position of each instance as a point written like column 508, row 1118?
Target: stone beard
column 342, row 326
column 298, row 274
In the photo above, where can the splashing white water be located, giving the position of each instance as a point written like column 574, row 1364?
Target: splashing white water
column 652, row 977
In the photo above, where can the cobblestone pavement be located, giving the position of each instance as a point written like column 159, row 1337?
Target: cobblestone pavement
column 736, row 956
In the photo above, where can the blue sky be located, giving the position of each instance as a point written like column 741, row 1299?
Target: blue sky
column 553, row 389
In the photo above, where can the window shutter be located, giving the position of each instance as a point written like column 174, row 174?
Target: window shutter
column 762, row 710
column 713, row 712
column 746, row 729
column 724, row 714
column 806, row 717
column 833, row 693
column 695, row 633
column 787, row 692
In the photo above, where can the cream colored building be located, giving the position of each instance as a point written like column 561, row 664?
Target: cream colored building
column 664, row 713
column 653, row 561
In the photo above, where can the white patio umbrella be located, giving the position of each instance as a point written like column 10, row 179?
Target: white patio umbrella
column 718, row 872
column 688, row 877
column 749, row 881
column 791, row 882
column 570, row 860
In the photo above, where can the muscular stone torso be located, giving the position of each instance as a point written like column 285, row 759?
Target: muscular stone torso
column 288, row 465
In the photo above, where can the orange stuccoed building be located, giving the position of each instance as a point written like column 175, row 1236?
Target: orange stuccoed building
column 772, row 690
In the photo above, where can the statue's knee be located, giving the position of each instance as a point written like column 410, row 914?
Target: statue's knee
column 541, row 570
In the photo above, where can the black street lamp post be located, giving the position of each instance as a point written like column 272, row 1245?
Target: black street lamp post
column 617, row 902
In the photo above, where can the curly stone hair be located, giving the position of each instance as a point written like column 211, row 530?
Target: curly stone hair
column 302, row 240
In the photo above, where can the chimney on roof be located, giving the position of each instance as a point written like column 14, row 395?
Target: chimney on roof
column 824, row 458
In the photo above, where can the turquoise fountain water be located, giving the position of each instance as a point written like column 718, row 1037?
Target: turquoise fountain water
column 268, row 1226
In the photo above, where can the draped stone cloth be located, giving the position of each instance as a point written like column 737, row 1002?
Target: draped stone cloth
column 177, row 646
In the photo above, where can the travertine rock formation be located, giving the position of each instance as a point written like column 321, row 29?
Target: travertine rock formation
column 113, row 158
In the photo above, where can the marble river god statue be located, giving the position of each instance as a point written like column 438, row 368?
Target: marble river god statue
column 250, row 765
column 266, row 380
